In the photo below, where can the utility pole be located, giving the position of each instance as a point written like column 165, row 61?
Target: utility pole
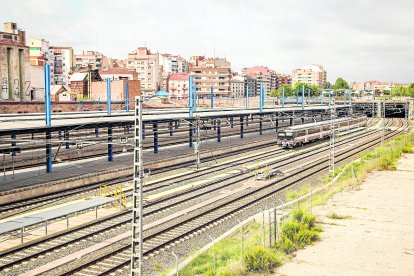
column 197, row 145
column 137, row 202
column 332, row 111
column 382, row 105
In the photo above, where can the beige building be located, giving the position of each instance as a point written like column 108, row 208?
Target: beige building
column 210, row 73
column 178, row 86
column 93, row 59
column 148, row 68
column 62, row 66
column 237, row 86
column 14, row 64
column 119, row 74
column 310, row 74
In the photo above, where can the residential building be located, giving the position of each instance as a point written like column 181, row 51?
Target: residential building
column 263, row 76
column 147, row 65
column 39, row 52
column 14, row 64
column 178, row 86
column 357, row 86
column 62, row 65
column 311, row 74
column 119, row 74
column 116, row 63
column 250, row 84
column 80, row 82
column 92, row 59
column 238, row 87
column 212, row 73
column 283, row 79
column 376, row 85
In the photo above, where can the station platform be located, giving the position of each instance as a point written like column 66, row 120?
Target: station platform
column 98, row 168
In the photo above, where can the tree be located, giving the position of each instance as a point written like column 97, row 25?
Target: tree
column 327, row 85
column 340, row 83
column 313, row 88
column 278, row 93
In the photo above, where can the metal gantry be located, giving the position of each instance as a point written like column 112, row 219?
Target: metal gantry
column 137, row 202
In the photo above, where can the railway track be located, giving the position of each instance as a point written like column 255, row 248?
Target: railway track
column 155, row 242
column 20, row 207
column 120, row 253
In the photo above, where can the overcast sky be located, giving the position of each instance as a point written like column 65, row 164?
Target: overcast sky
column 355, row 39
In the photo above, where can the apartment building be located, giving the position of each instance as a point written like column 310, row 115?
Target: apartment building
column 311, row 74
column 62, row 65
column 119, row 74
column 283, row 79
column 212, row 73
column 178, row 85
column 91, row 59
column 14, row 64
column 39, row 52
column 376, row 85
column 262, row 76
column 238, row 86
column 147, row 65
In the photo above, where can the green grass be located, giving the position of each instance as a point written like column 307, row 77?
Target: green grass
column 334, row 215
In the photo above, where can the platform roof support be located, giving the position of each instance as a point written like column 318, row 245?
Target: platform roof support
column 218, row 131
column 303, row 97
column 261, row 125
column 190, row 96
column 110, row 146
column 283, row 96
column 309, row 96
column 108, row 95
column 261, row 96
column 127, row 96
column 297, row 97
column 241, row 126
column 247, row 96
column 211, row 97
column 47, row 95
column 67, row 139
column 13, row 143
column 155, row 131
column 48, row 152
column 190, row 134
column 170, row 125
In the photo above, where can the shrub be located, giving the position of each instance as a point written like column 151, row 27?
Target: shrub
column 286, row 245
column 334, row 215
column 261, row 259
column 305, row 237
column 407, row 149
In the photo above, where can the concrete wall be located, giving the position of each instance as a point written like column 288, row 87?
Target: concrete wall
column 15, row 85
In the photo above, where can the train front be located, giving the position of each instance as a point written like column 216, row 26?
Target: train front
column 285, row 138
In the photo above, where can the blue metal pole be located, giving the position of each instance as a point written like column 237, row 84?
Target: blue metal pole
column 241, row 126
column 96, row 131
column 283, row 97
column 155, row 130
column 321, row 96
column 190, row 135
column 108, row 96
column 211, row 97
column 48, row 152
column 67, row 139
column 47, row 94
column 261, row 96
column 194, row 96
column 218, row 131
column 297, row 96
column 190, row 96
column 308, row 96
column 110, row 151
column 13, row 143
column 345, row 97
column 127, row 96
column 303, row 97
column 171, row 128
column 247, row 96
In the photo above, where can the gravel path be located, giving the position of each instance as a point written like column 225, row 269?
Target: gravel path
column 376, row 240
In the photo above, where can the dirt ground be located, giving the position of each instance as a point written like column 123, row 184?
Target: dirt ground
column 378, row 239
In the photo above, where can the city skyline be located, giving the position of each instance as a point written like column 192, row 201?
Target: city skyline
column 354, row 40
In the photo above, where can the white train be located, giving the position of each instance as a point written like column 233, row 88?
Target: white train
column 294, row 136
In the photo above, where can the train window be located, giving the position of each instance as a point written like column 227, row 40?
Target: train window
column 289, row 135
column 281, row 135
